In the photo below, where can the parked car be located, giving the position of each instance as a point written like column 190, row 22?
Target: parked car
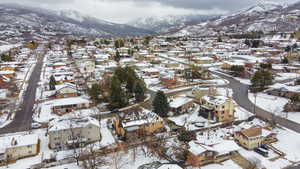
column 262, row 152
column 35, row 125
column 263, row 146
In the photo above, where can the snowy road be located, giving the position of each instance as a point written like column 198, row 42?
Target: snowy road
column 240, row 95
column 23, row 118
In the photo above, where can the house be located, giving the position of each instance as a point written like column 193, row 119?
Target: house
column 284, row 69
column 66, row 105
column 89, row 66
column 198, row 92
column 18, row 146
column 168, row 79
column 249, row 138
column 201, row 154
column 137, row 123
column 151, row 72
column 283, row 90
column 70, row 132
column 180, row 105
column 58, row 65
column 217, row 108
column 203, row 60
column 66, row 90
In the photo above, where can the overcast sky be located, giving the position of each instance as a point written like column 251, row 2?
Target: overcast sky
column 122, row 11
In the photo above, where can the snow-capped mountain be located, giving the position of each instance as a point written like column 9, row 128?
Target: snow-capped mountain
column 21, row 21
column 263, row 6
column 168, row 23
column 265, row 16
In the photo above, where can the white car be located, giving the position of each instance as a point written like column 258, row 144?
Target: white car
column 36, row 125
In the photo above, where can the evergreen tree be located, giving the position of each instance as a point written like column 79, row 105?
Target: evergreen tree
column 121, row 74
column 118, row 97
column 52, row 83
column 265, row 65
column 139, row 91
column 119, row 43
column 117, row 57
column 131, row 79
column 261, row 79
column 160, row 104
column 94, row 92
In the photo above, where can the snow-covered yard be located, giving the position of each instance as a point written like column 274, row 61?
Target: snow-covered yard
column 224, row 165
column 274, row 104
column 284, row 144
column 286, row 76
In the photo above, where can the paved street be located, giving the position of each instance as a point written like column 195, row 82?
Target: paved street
column 23, row 118
column 240, row 95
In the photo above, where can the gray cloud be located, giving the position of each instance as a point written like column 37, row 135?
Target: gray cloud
column 125, row 10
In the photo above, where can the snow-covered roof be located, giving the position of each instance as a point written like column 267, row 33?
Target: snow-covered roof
column 69, row 101
column 140, row 118
column 284, row 87
column 224, row 147
column 215, row 100
column 67, row 123
column 179, row 101
column 17, row 140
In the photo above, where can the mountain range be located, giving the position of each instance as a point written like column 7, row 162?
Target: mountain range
column 265, row 16
column 20, row 21
column 16, row 20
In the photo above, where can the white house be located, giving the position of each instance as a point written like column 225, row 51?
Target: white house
column 68, row 132
column 19, row 146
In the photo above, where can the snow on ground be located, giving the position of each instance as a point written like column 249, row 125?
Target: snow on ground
column 289, row 143
column 190, row 120
column 126, row 160
column 286, row 76
column 44, row 113
column 244, row 81
column 224, row 165
column 3, row 120
column 284, row 144
column 241, row 113
column 66, row 166
column 275, row 105
column 107, row 137
column 218, row 81
column 263, row 161
column 268, row 102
